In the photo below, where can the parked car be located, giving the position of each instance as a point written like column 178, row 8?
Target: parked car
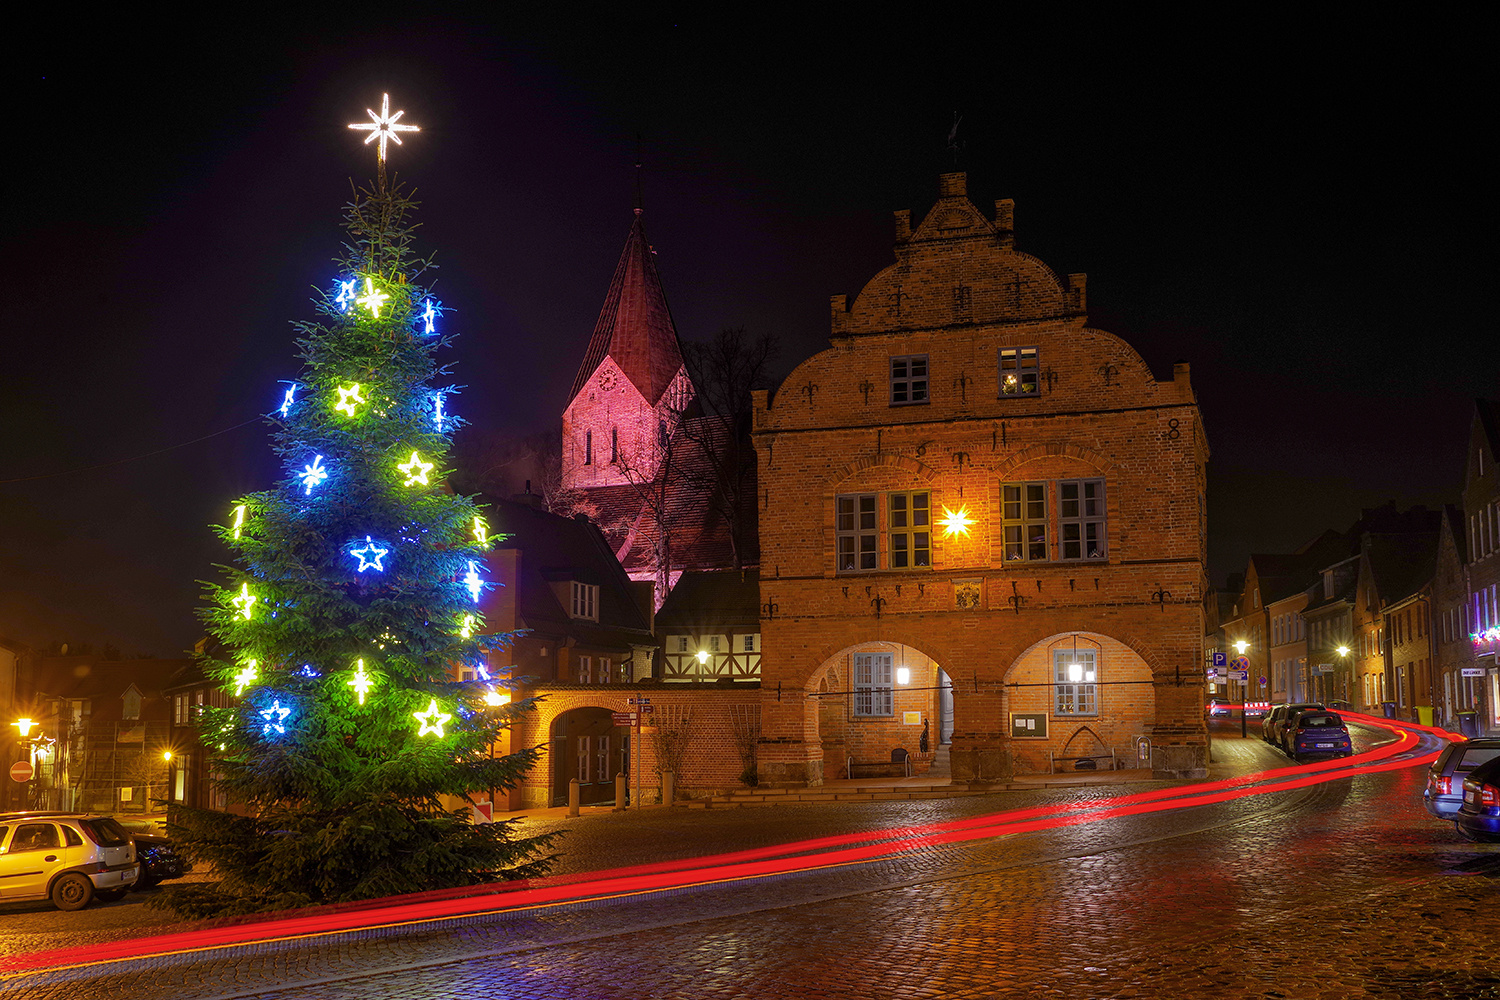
column 1269, row 720
column 159, row 860
column 1479, row 816
column 1216, row 708
column 1445, row 779
column 70, row 858
column 1317, row 733
column 1280, row 723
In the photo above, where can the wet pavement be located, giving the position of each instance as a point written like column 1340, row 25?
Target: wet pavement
column 1345, row 889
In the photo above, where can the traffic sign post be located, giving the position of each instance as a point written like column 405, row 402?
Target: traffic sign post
column 21, row 770
column 642, row 706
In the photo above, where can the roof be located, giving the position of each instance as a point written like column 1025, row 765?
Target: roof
column 1401, row 564
column 635, row 326
column 724, row 598
column 565, row 548
column 92, row 677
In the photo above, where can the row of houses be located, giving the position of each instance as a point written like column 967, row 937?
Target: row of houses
column 970, row 536
column 1398, row 615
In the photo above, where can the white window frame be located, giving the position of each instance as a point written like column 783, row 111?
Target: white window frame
column 1075, row 698
column 585, row 601
column 874, row 685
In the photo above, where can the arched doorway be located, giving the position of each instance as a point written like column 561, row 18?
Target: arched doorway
column 587, row 745
column 875, row 703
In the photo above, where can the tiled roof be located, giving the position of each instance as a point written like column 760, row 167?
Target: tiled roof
column 716, row 598
column 635, row 326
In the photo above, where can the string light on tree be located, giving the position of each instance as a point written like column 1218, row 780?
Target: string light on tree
column 437, row 410
column 361, row 682
column 384, row 126
column 369, row 557
column 286, row 402
column 429, row 314
column 473, row 582
column 349, row 399
column 433, row 720
column 245, row 677
column 245, row 601
column 372, row 298
column 481, row 532
column 956, row 522
column 239, row 519
column 415, row 470
column 466, row 630
column 345, row 297
column 313, row 474
column 275, row 717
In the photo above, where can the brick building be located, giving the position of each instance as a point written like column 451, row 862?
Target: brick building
column 1065, row 618
column 1468, row 606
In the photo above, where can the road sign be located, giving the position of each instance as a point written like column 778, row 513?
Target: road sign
column 624, row 718
column 1240, row 663
column 1473, row 671
column 640, row 701
column 1213, row 672
column 1239, row 675
column 643, row 709
column 21, row 770
column 1221, row 659
column 1262, row 682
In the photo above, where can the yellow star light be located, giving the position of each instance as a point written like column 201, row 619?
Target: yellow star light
column 372, row 298
column 383, row 126
column 244, row 678
column 481, row 531
column 416, row 470
column 244, row 601
column 432, row 720
column 467, row 628
column 239, row 519
column 348, row 399
column 956, row 522
column 362, row 682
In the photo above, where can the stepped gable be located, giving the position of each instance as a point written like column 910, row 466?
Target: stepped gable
column 635, row 326
column 958, row 267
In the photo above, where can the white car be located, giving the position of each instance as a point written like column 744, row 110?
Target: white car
column 69, row 858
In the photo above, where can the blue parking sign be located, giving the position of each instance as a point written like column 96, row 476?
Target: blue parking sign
column 1221, row 659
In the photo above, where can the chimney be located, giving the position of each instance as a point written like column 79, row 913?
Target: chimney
column 1005, row 221
column 953, row 185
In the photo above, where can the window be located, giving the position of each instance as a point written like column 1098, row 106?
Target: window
column 614, row 445
column 874, row 692
column 909, row 379
column 713, row 643
column 585, row 601
column 1080, row 518
column 1024, row 516
column 910, row 530
column 749, row 643
column 854, row 528
column 1019, row 371
column 585, row 670
column 682, row 644
column 588, row 447
column 1075, row 673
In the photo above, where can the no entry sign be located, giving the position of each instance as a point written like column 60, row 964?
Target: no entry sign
column 21, row 770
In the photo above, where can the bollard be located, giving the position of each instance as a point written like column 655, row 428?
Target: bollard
column 573, row 797
column 620, row 792
column 668, row 788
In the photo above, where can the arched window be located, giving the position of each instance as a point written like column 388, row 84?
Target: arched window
column 1075, row 677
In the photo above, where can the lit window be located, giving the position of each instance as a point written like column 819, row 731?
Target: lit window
column 910, row 530
column 909, row 379
column 1075, row 674
column 1024, row 521
column 874, row 691
column 585, row 601
column 854, row 530
column 1019, row 371
column 1080, row 518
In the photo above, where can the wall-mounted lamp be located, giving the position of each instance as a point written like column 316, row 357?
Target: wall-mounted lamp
column 702, row 656
column 903, row 675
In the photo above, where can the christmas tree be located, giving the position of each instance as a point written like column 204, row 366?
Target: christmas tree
column 349, row 617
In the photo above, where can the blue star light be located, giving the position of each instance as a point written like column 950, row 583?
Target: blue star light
column 275, row 717
column 437, row 407
column 474, row 583
column 313, row 474
column 286, row 404
column 428, row 315
column 370, row 556
column 345, row 297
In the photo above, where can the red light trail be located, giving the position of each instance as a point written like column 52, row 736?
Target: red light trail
column 1414, row 746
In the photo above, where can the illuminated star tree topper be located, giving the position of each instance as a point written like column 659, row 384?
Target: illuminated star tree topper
column 385, row 127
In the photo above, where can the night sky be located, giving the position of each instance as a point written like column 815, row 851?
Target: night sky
column 1305, row 218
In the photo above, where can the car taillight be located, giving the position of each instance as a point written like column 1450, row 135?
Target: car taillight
column 1443, row 785
column 1489, row 795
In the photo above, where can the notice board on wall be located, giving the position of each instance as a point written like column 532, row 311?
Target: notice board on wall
column 1028, row 725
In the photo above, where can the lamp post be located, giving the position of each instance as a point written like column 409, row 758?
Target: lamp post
column 1239, row 647
column 1343, row 652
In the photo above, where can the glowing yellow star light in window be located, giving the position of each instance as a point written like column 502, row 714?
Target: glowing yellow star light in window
column 372, row 298
column 415, row 471
column 348, row 399
column 956, row 522
column 244, row 601
column 384, row 126
column 432, row 720
column 245, row 678
column 362, row 682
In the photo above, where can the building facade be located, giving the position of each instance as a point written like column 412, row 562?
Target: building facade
column 977, row 508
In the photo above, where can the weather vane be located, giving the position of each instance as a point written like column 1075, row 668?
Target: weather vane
column 383, row 126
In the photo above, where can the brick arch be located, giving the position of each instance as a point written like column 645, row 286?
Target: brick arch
column 825, row 655
column 1148, row 656
column 887, row 459
column 1098, row 460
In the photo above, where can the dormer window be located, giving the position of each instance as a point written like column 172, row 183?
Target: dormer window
column 585, row 601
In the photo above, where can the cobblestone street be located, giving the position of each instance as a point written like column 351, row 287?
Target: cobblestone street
column 1345, row 889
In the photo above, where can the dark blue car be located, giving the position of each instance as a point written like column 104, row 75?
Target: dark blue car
column 1317, row 733
column 1479, row 817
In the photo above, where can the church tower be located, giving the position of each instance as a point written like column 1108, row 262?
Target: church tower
column 632, row 388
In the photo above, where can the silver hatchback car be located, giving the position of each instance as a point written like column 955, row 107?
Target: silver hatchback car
column 1444, row 793
column 69, row 858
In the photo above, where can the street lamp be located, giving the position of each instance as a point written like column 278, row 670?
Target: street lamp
column 1240, row 645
